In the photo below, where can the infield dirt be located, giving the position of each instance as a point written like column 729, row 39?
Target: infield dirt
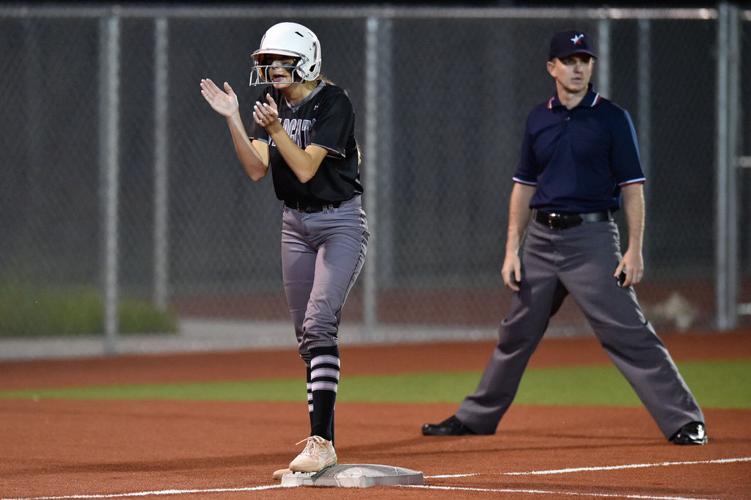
column 98, row 447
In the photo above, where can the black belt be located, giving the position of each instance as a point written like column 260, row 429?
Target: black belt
column 310, row 207
column 555, row 220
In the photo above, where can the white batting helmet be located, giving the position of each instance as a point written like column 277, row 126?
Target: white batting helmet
column 288, row 39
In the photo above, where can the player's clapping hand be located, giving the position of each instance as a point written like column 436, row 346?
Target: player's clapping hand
column 266, row 114
column 224, row 101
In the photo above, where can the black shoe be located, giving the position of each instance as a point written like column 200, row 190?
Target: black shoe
column 691, row 433
column 452, row 426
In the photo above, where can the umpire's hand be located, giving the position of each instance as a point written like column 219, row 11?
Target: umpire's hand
column 632, row 266
column 512, row 271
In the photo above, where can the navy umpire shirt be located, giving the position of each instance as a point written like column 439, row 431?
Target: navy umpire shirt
column 579, row 158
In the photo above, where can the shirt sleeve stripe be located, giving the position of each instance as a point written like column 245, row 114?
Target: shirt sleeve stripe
column 521, row 181
column 339, row 154
column 640, row 180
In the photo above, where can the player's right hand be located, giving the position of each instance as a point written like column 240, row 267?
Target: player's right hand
column 224, row 101
column 512, row 271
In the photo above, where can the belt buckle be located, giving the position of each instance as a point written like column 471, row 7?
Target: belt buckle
column 556, row 221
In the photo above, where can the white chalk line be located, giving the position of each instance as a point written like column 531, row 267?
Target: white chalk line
column 549, row 492
column 435, row 487
column 151, row 493
column 577, row 469
column 627, row 466
column 449, row 476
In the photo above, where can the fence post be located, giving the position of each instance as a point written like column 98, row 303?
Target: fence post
column 370, row 299
column 726, row 239
column 603, row 57
column 644, row 92
column 109, row 118
column 161, row 164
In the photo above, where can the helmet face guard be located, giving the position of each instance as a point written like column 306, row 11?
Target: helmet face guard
column 289, row 40
column 260, row 74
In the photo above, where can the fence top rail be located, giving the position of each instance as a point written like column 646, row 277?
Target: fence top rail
column 229, row 11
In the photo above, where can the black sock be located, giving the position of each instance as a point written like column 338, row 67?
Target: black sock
column 324, row 377
column 310, row 398
column 331, row 427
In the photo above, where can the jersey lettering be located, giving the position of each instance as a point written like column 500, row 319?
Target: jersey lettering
column 298, row 129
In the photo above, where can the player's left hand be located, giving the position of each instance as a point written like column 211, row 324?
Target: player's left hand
column 632, row 265
column 266, row 114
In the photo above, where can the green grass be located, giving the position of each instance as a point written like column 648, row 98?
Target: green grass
column 27, row 311
column 716, row 384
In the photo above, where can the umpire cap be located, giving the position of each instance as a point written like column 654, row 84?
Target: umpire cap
column 567, row 43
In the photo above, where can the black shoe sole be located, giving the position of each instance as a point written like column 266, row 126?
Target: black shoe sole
column 691, row 442
column 432, row 430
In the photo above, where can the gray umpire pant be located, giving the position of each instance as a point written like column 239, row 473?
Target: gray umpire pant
column 580, row 261
column 322, row 255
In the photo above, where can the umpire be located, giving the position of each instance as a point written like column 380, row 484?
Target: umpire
column 579, row 157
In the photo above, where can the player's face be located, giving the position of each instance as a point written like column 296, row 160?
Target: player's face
column 572, row 73
column 279, row 71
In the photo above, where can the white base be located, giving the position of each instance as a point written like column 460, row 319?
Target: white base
column 354, row 476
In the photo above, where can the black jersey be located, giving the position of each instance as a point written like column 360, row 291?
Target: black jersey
column 324, row 118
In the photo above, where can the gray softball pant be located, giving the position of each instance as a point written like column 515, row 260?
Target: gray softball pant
column 579, row 261
column 322, row 255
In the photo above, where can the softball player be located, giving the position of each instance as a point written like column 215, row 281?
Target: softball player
column 304, row 132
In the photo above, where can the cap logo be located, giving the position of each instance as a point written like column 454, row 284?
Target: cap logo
column 576, row 39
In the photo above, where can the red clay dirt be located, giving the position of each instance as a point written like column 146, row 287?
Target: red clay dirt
column 54, row 448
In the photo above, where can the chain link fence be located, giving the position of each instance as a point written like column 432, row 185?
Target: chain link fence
column 449, row 93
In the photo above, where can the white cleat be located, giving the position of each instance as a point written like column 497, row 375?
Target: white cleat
column 317, row 455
